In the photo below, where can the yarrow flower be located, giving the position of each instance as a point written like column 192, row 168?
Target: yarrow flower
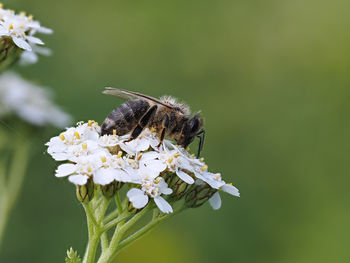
column 19, row 30
column 163, row 173
column 30, row 102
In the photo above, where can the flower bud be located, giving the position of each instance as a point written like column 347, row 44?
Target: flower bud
column 178, row 186
column 85, row 192
column 110, row 189
column 198, row 195
column 9, row 53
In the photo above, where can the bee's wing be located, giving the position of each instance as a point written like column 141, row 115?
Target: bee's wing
column 131, row 95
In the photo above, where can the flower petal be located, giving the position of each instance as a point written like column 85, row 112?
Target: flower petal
column 163, row 205
column 78, row 179
column 65, row 170
column 35, row 40
column 215, row 201
column 137, row 198
column 104, row 176
column 21, row 43
column 230, row 189
column 185, row 177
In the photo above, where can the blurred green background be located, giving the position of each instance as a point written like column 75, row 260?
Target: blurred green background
column 272, row 80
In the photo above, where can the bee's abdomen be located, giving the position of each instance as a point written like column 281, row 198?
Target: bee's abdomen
column 124, row 118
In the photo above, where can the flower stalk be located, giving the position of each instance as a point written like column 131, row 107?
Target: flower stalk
column 12, row 176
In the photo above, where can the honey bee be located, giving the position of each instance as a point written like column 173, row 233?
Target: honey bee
column 165, row 115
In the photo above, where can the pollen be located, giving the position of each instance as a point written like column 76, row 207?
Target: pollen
column 229, row 184
column 76, row 134
column 84, row 146
column 139, row 156
column 89, row 169
column 22, row 13
column 120, row 153
column 103, row 159
column 170, row 160
column 201, row 159
column 30, row 17
column 62, row 137
column 205, row 167
column 176, row 155
column 11, row 27
column 153, row 129
column 90, row 123
column 157, row 181
column 114, row 132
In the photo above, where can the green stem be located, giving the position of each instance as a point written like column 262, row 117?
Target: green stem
column 146, row 228
column 118, row 203
column 110, row 253
column 110, row 216
column 94, row 235
column 15, row 177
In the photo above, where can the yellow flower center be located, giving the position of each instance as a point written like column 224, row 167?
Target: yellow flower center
column 205, row 167
column 76, row 134
column 62, row 137
column 84, row 146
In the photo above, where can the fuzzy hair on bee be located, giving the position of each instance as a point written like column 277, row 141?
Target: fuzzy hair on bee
column 168, row 117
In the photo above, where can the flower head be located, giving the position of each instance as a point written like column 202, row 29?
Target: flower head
column 19, row 30
column 30, row 102
column 111, row 162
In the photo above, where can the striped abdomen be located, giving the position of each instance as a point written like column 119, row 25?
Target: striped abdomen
column 124, row 118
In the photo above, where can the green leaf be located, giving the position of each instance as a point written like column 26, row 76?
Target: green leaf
column 72, row 256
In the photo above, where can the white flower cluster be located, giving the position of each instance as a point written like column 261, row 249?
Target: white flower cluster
column 22, row 29
column 140, row 162
column 30, row 102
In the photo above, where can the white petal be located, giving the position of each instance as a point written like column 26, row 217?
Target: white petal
column 78, row 179
column 163, row 205
column 59, row 156
column 104, row 176
column 215, row 201
column 142, row 145
column 122, row 176
column 44, row 30
column 137, row 198
column 167, row 191
column 149, row 156
column 185, row 177
column 35, row 40
column 65, row 169
column 21, row 43
column 156, row 166
column 230, row 189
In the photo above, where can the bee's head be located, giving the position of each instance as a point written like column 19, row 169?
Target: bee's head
column 190, row 130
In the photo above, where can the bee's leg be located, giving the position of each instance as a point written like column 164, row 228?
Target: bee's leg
column 201, row 136
column 142, row 123
column 165, row 125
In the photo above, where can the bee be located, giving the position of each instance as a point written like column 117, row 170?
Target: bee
column 165, row 115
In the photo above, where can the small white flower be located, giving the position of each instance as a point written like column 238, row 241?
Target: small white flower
column 59, row 147
column 30, row 102
column 142, row 143
column 21, row 29
column 108, row 140
column 79, row 172
column 150, row 188
column 112, row 168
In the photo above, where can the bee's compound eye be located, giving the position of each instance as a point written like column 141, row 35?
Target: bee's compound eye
column 194, row 124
